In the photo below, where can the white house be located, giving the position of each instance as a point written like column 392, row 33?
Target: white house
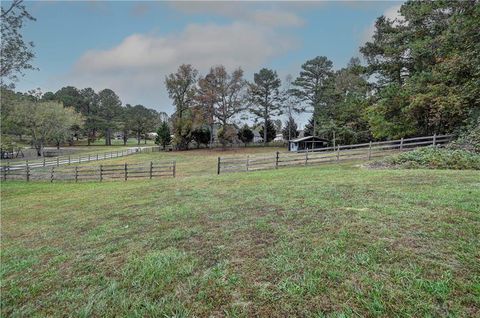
column 278, row 137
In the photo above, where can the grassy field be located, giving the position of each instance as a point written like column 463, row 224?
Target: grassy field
column 73, row 151
column 319, row 241
column 192, row 162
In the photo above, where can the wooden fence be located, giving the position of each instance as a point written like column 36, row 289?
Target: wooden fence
column 67, row 160
column 92, row 173
column 365, row 151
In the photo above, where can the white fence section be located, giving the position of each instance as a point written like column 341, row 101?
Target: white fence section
column 67, row 160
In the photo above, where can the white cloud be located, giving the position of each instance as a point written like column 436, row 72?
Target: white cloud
column 272, row 16
column 137, row 66
column 276, row 18
column 391, row 13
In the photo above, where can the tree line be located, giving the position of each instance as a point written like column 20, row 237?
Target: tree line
column 421, row 76
column 72, row 113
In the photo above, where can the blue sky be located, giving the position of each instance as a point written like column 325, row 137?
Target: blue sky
column 130, row 46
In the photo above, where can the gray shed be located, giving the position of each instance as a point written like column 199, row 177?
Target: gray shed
column 307, row 143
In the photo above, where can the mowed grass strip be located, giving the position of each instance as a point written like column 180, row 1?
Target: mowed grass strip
column 194, row 162
column 310, row 241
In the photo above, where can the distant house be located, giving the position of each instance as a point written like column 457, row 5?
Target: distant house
column 278, row 137
column 307, row 143
column 152, row 135
column 118, row 135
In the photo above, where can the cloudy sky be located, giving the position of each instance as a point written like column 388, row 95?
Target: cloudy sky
column 130, row 46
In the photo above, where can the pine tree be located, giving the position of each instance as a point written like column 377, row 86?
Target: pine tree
column 163, row 135
column 290, row 130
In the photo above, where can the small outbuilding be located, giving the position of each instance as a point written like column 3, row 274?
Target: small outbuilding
column 307, row 143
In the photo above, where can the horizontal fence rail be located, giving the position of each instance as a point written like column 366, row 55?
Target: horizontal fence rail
column 365, row 151
column 126, row 171
column 68, row 160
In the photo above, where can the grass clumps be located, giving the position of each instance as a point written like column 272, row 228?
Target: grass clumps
column 432, row 158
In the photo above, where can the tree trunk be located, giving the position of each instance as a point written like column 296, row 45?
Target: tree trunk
column 265, row 131
column 138, row 139
column 212, row 137
column 58, row 145
column 39, row 148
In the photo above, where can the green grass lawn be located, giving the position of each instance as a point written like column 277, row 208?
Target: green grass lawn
column 116, row 142
column 316, row 241
column 192, row 162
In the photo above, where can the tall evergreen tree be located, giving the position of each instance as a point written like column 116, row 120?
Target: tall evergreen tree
column 109, row 111
column 312, row 85
column 290, row 131
column 271, row 133
column 163, row 135
column 265, row 97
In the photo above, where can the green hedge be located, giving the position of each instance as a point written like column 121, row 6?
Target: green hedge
column 434, row 158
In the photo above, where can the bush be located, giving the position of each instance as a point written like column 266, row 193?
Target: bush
column 468, row 140
column 434, row 158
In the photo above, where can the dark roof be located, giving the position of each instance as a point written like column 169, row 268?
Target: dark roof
column 309, row 138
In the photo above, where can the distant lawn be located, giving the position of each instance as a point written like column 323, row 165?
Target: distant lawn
column 192, row 162
column 116, row 142
column 311, row 241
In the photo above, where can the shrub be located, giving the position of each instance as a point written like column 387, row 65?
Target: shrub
column 434, row 158
column 226, row 135
column 468, row 140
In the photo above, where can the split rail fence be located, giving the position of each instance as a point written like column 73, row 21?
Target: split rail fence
column 365, row 151
column 93, row 173
column 67, row 160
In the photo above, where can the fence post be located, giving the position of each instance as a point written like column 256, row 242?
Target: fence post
column 44, row 161
column 76, row 173
column 276, row 160
column 68, row 159
column 248, row 162
column 306, row 157
column 151, row 169
column 51, row 174
column 5, row 170
column 97, row 156
column 58, row 161
column 174, row 168
column 88, row 157
column 401, row 144
column 101, row 173
column 338, row 152
column 28, row 172
column 126, row 171
column 79, row 158
column 435, row 139
column 218, row 166
column 369, row 150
